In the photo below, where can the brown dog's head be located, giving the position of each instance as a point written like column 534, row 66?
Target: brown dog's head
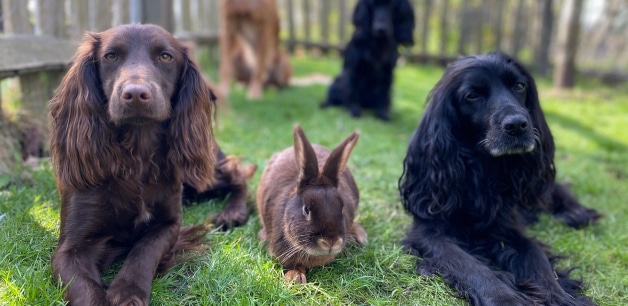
column 123, row 78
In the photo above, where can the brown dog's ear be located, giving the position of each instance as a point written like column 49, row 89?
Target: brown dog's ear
column 305, row 157
column 81, row 139
column 191, row 137
column 338, row 158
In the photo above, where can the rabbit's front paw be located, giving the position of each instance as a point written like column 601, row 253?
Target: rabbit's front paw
column 296, row 276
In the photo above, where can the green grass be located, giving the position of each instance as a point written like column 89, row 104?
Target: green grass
column 589, row 126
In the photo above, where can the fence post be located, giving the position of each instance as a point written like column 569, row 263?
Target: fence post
column 306, row 23
column 291, row 34
column 567, row 44
column 121, row 13
column 444, row 30
column 518, row 29
column 497, row 22
column 100, row 15
column 342, row 13
column 158, row 12
column 79, row 16
column 324, row 22
column 425, row 26
column 544, row 32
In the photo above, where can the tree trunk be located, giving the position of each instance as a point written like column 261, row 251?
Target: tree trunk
column 567, row 44
column 544, row 32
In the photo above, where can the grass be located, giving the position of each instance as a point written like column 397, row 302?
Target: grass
column 588, row 124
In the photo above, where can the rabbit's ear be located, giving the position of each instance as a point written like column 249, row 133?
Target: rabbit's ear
column 338, row 158
column 305, row 157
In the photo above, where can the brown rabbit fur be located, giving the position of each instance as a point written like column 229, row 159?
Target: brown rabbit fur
column 307, row 211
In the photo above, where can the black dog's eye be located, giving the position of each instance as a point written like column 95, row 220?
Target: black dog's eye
column 165, row 57
column 472, row 96
column 111, row 57
column 519, row 86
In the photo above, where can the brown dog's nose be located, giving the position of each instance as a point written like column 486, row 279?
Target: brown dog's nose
column 136, row 93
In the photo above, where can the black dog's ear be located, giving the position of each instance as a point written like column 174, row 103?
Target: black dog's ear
column 433, row 165
column 533, row 105
column 403, row 17
column 362, row 15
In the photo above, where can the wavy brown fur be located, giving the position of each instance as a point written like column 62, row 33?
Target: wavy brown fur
column 131, row 121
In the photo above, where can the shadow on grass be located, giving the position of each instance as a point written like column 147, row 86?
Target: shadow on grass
column 607, row 143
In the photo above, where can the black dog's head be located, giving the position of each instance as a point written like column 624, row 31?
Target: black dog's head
column 491, row 102
column 484, row 107
column 385, row 19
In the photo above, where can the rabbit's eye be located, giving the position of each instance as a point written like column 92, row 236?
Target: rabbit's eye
column 306, row 211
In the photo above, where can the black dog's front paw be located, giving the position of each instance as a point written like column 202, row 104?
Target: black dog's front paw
column 384, row 116
column 578, row 217
column 325, row 104
column 355, row 112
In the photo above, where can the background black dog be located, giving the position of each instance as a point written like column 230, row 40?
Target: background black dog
column 481, row 162
column 371, row 55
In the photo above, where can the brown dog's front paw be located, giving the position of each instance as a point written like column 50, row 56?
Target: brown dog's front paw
column 295, row 276
column 127, row 296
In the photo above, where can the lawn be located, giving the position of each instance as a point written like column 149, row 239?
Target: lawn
column 588, row 123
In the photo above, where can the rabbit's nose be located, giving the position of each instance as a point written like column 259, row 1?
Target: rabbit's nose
column 330, row 245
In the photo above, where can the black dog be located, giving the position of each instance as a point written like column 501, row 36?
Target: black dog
column 371, row 55
column 479, row 164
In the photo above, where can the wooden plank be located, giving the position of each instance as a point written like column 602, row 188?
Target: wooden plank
column 27, row 53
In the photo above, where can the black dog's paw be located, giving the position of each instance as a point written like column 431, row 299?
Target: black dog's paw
column 384, row 116
column 578, row 217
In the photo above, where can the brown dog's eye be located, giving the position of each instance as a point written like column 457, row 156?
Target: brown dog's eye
column 165, row 57
column 519, row 86
column 111, row 57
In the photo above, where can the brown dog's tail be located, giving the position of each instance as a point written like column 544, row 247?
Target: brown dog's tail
column 190, row 240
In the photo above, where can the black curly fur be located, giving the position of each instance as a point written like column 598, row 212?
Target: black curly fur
column 472, row 181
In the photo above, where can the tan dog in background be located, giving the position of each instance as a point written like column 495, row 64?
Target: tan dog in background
column 249, row 46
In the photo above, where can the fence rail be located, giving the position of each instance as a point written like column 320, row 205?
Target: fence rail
column 41, row 35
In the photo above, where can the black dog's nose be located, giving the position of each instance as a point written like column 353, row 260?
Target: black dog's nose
column 380, row 28
column 136, row 93
column 515, row 125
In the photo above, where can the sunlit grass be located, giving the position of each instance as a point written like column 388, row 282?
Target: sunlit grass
column 588, row 126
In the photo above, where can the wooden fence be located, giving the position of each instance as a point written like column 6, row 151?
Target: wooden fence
column 40, row 36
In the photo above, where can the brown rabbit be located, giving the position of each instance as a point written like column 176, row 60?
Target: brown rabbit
column 307, row 211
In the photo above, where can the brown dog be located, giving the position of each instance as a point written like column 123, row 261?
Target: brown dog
column 249, row 46
column 131, row 121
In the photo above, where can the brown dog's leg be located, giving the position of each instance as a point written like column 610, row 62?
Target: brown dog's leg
column 235, row 177
column 76, row 268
